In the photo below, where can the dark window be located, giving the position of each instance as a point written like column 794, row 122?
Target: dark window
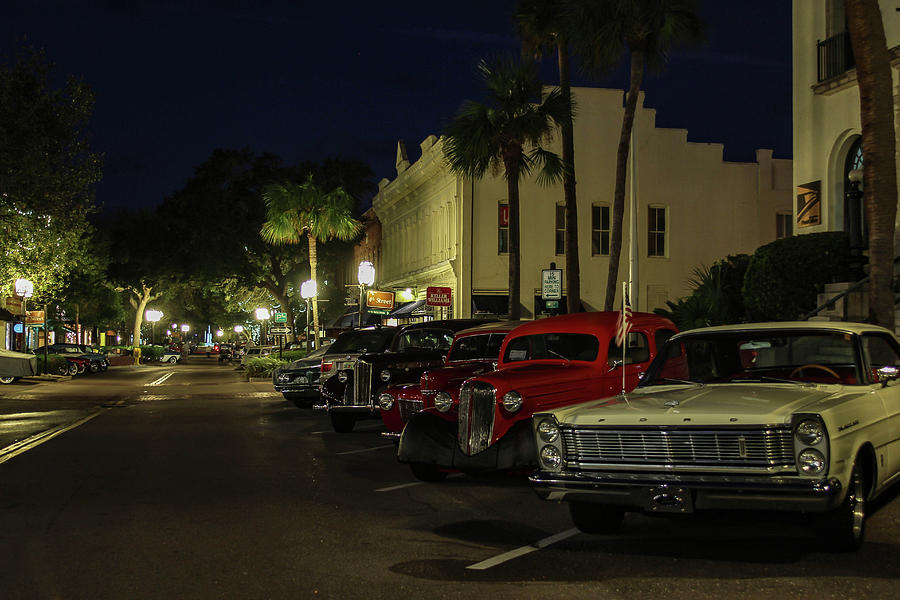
column 600, row 229
column 661, row 337
column 783, row 225
column 656, row 231
column 424, row 339
column 637, row 350
column 503, row 228
column 477, row 347
column 560, row 229
column 358, row 342
column 547, row 346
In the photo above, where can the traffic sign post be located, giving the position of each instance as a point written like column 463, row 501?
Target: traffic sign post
column 551, row 287
column 279, row 317
column 279, row 329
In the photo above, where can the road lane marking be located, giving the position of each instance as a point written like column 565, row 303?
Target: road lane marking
column 411, row 484
column 161, row 379
column 507, row 556
column 366, row 450
column 37, row 439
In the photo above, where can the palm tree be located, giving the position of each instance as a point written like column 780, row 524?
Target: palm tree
column 297, row 209
column 543, row 26
column 646, row 30
column 506, row 135
column 873, row 76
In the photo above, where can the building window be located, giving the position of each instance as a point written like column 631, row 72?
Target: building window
column 656, row 231
column 560, row 229
column 503, row 228
column 600, row 229
column 784, row 225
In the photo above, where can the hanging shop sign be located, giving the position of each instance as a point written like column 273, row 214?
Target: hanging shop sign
column 379, row 301
column 438, row 296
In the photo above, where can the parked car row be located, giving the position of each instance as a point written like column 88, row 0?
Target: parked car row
column 801, row 417
column 79, row 357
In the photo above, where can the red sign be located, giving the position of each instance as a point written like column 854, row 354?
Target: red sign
column 438, row 296
column 376, row 299
column 504, row 215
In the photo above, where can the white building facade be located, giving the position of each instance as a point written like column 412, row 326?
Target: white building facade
column 692, row 208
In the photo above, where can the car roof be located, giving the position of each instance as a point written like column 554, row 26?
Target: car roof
column 836, row 326
column 453, row 324
column 490, row 327
column 585, row 322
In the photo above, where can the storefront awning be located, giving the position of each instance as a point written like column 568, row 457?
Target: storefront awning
column 407, row 308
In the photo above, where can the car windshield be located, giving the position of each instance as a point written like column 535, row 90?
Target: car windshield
column 475, row 347
column 362, row 341
column 545, row 346
column 753, row 356
column 424, row 339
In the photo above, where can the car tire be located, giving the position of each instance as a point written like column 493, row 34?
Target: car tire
column 341, row 422
column 104, row 365
column 596, row 518
column 843, row 529
column 8, row 380
column 173, row 360
column 428, row 473
column 71, row 369
column 94, row 367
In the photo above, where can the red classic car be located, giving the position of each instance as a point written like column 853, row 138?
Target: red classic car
column 474, row 351
column 544, row 365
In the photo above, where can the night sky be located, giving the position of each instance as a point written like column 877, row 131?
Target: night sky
column 305, row 80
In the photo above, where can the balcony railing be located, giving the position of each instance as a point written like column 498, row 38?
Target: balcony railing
column 835, row 56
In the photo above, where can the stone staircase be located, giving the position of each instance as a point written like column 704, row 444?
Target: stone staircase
column 856, row 304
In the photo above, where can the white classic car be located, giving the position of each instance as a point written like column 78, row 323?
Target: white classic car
column 785, row 416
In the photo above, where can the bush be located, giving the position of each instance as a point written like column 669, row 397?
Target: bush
column 784, row 277
column 263, row 367
column 56, row 364
column 151, row 353
column 716, row 298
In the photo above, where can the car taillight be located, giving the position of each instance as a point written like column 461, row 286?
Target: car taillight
column 326, row 366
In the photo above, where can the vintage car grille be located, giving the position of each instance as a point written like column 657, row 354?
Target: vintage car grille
column 408, row 407
column 678, row 447
column 476, row 416
column 361, row 385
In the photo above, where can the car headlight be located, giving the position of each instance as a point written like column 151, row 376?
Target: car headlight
column 811, row 461
column 548, row 431
column 385, row 401
column 551, row 456
column 443, row 401
column 810, row 432
column 283, row 378
column 385, row 375
column 512, row 401
column 343, row 376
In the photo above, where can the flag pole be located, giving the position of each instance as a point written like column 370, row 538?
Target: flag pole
column 625, row 337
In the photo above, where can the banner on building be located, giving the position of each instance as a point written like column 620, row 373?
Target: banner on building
column 809, row 205
column 438, row 296
column 14, row 305
column 379, row 301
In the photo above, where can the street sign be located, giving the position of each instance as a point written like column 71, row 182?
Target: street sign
column 378, row 311
column 438, row 296
column 279, row 329
column 280, row 317
column 379, row 300
column 552, row 304
column 34, row 318
column 551, row 284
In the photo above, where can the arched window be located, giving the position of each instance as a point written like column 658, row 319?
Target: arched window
column 853, row 194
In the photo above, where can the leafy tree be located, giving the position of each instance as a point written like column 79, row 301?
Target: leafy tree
column 543, row 26
column 873, row 77
column 716, row 297
column 296, row 210
column 645, row 30
column 47, row 173
column 505, row 134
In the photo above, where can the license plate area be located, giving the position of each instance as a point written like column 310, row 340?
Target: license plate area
column 669, row 499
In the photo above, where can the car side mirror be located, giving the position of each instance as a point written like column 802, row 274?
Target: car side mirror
column 887, row 373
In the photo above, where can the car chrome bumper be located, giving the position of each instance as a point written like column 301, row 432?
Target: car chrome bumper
column 659, row 492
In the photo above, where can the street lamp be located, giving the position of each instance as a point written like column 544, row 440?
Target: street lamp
column 153, row 316
column 262, row 314
column 365, row 275
column 308, row 291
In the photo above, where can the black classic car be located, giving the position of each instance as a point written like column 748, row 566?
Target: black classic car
column 352, row 382
column 299, row 381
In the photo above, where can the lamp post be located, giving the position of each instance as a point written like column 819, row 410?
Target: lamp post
column 365, row 275
column 153, row 316
column 262, row 314
column 308, row 291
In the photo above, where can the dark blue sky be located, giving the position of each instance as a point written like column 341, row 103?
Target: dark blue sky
column 176, row 79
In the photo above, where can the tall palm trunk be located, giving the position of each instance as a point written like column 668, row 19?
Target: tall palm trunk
column 313, row 263
column 615, row 242
column 573, row 270
column 512, row 190
column 873, row 76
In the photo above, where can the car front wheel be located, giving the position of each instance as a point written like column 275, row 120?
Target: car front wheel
column 596, row 518
column 7, row 380
column 843, row 529
column 95, row 367
column 173, row 359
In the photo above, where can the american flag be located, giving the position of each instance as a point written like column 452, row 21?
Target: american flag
column 623, row 325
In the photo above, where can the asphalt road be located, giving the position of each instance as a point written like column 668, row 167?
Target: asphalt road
column 186, row 482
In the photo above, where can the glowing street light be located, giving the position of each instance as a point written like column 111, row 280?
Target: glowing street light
column 365, row 275
column 308, row 291
column 153, row 316
column 262, row 314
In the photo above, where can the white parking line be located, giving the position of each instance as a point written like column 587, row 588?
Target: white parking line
column 161, row 379
column 506, row 556
column 366, row 450
column 406, row 485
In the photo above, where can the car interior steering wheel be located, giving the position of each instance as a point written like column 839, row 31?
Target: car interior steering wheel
column 800, row 369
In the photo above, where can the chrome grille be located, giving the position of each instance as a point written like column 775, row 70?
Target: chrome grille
column 408, row 407
column 362, row 385
column 476, row 416
column 679, row 447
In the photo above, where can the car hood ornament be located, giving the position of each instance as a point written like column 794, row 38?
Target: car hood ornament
column 672, row 403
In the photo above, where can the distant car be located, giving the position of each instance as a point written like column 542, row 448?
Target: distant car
column 800, row 417
column 298, row 381
column 256, row 352
column 170, row 356
column 14, row 365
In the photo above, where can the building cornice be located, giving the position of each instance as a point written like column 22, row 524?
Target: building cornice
column 425, row 171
